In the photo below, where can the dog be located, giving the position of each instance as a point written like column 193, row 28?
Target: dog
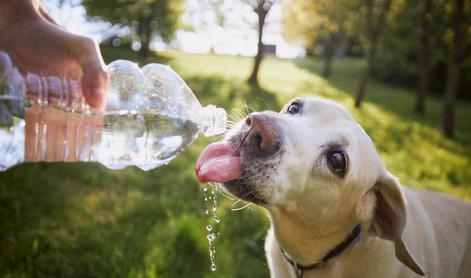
column 335, row 210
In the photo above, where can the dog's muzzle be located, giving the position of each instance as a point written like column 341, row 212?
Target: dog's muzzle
column 244, row 162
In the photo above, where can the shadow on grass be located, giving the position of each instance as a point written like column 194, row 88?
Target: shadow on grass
column 82, row 220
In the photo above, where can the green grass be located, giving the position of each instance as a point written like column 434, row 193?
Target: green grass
column 83, row 220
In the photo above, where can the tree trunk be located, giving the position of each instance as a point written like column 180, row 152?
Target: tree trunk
column 327, row 66
column 453, row 75
column 144, row 51
column 145, row 37
column 330, row 48
column 253, row 79
column 373, row 32
column 424, row 57
column 366, row 75
column 454, row 68
column 261, row 13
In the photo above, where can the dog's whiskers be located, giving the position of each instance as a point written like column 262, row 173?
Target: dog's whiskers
column 237, row 114
column 247, row 191
column 265, row 102
column 224, row 194
column 248, row 108
column 220, row 137
column 233, row 208
column 234, row 117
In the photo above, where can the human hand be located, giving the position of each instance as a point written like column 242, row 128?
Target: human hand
column 37, row 43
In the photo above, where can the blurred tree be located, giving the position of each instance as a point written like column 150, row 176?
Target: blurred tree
column 398, row 60
column 326, row 23
column 301, row 22
column 144, row 19
column 424, row 56
column 376, row 11
column 460, row 24
column 216, row 6
column 261, row 8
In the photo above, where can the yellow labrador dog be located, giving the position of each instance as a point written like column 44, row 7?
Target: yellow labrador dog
column 334, row 208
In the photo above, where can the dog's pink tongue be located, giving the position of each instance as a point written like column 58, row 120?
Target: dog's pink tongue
column 219, row 162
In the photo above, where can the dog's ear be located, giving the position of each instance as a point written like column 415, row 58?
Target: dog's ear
column 390, row 218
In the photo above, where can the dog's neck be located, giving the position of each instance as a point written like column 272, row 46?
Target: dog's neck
column 307, row 240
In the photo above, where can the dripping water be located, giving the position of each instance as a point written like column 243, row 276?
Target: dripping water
column 213, row 221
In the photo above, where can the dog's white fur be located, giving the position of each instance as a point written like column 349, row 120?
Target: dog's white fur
column 312, row 210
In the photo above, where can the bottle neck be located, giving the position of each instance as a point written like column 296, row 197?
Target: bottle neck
column 211, row 120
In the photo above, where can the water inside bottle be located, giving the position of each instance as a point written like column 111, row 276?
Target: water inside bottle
column 145, row 139
column 116, row 139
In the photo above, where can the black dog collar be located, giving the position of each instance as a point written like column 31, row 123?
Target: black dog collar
column 299, row 268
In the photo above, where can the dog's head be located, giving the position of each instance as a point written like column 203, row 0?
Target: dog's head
column 314, row 161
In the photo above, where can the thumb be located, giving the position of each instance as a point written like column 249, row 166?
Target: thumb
column 94, row 78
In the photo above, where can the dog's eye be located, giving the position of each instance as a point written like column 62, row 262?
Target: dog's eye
column 293, row 108
column 337, row 162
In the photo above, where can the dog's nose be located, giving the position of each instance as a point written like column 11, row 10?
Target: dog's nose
column 261, row 134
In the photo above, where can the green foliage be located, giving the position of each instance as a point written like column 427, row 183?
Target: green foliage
column 83, row 220
column 405, row 23
column 398, row 47
column 317, row 21
column 143, row 18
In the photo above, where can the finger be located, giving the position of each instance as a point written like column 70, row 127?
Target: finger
column 94, row 82
column 94, row 79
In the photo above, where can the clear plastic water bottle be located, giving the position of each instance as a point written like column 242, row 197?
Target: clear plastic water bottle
column 151, row 116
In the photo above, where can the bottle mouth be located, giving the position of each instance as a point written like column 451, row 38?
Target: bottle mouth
column 212, row 120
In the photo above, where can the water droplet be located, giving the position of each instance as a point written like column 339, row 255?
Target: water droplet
column 211, row 237
column 211, row 203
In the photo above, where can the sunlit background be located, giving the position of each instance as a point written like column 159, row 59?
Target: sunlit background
column 201, row 28
column 403, row 70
